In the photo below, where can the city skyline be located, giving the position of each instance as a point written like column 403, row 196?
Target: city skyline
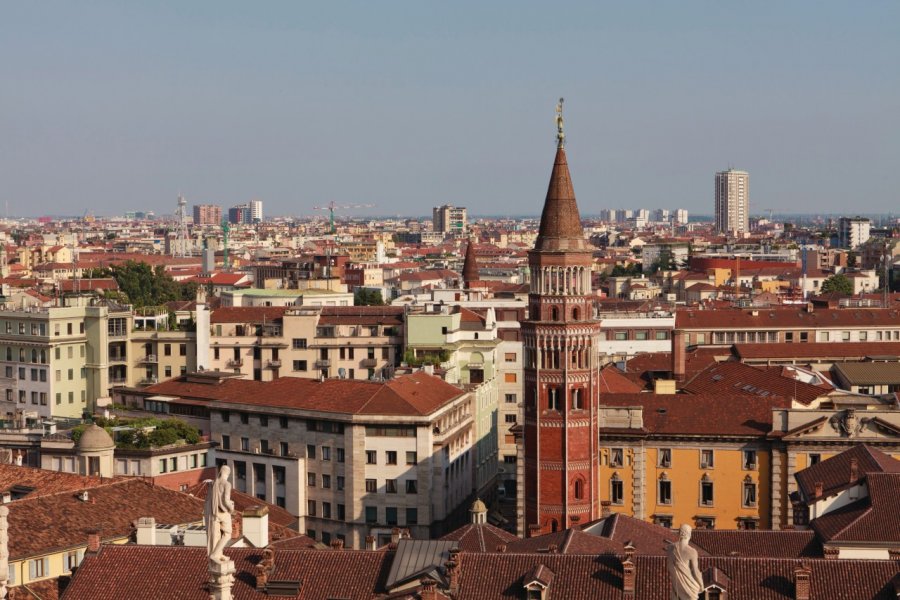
column 120, row 108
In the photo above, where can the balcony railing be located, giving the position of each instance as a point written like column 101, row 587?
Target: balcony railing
column 323, row 363
column 150, row 358
column 273, row 364
column 148, row 381
column 235, row 362
column 117, row 380
column 368, row 363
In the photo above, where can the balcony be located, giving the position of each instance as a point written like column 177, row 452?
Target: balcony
column 149, row 359
column 115, row 357
column 117, row 380
column 323, row 363
column 368, row 363
column 148, row 381
column 235, row 363
column 273, row 364
column 441, row 435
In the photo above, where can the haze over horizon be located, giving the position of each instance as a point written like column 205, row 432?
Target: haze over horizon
column 115, row 106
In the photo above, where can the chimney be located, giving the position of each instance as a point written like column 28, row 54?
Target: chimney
column 452, row 567
column 429, row 589
column 629, row 551
column 854, row 470
column 604, row 509
column 256, row 525
column 236, row 528
column 678, row 355
column 395, row 535
column 553, row 549
column 820, row 489
column 802, row 582
column 370, row 542
column 337, row 544
column 93, row 541
column 628, row 577
column 146, row 531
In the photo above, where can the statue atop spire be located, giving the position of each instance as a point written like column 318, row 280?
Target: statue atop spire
column 560, row 134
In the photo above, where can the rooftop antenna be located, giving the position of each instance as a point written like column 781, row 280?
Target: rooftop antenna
column 560, row 134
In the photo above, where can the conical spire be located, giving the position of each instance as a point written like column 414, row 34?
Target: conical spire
column 560, row 222
column 470, row 265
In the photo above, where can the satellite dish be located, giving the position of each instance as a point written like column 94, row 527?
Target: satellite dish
column 342, row 373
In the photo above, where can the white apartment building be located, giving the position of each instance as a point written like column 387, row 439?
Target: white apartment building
column 853, row 231
column 733, row 201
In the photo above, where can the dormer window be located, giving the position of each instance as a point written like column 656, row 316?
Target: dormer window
column 537, row 583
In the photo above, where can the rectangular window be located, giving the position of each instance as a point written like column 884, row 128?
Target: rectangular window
column 283, row 422
column 311, row 508
column 412, row 516
column 263, row 421
column 299, row 365
column 340, row 483
column 617, row 491
column 310, row 451
column 664, row 492
column 510, row 418
column 391, row 457
column 371, row 514
column 390, row 486
column 665, row 458
column 706, row 493
column 509, row 357
column 340, row 454
column 371, row 457
column 706, row 459
column 824, row 336
column 226, row 442
column 245, row 444
column 371, row 486
column 167, row 349
column 311, row 479
column 283, row 448
column 412, row 486
column 326, row 452
column 390, row 515
column 641, row 335
column 845, row 335
column 411, row 458
column 662, row 335
column 299, row 343
column 749, row 496
column 326, row 482
column 815, row 459
column 510, row 398
column 620, row 336
column 509, row 377
column 616, row 457
column 39, row 567
column 245, row 418
column 326, row 511
column 750, row 460
column 341, row 512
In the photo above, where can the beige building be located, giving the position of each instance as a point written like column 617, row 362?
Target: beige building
column 264, row 343
column 732, row 201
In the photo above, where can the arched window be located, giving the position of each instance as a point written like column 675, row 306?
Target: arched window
column 579, row 489
column 576, row 399
column 554, row 526
column 575, row 314
column 554, row 314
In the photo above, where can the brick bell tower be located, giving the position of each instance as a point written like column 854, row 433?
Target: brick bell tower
column 560, row 336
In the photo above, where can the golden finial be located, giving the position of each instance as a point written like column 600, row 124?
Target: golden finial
column 560, row 135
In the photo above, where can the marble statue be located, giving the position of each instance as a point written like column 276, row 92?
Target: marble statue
column 687, row 581
column 217, row 515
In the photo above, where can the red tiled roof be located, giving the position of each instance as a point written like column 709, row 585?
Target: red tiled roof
column 613, row 381
column 417, row 394
column 745, row 380
column 242, row 502
column 772, row 544
column 875, row 518
column 247, row 314
column 785, row 318
column 479, row 538
column 361, row 315
column 61, row 520
column 180, row 573
column 687, row 414
column 834, row 473
column 817, row 350
column 43, row 482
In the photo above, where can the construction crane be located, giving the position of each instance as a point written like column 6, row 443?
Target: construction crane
column 331, row 207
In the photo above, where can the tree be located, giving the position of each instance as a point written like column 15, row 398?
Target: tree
column 632, row 270
column 366, row 297
column 144, row 285
column 839, row 284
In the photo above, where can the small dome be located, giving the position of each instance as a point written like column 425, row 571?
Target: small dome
column 478, row 506
column 95, row 439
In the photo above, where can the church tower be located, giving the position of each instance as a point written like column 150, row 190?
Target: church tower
column 560, row 336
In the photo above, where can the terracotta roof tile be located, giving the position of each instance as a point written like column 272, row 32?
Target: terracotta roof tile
column 740, row 379
column 834, row 473
column 560, row 227
column 480, row 537
column 247, row 314
column 817, row 350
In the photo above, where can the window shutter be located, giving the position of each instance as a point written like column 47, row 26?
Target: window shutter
column 31, row 569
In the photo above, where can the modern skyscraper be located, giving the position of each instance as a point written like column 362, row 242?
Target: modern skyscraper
column 256, row 211
column 560, row 337
column 732, row 201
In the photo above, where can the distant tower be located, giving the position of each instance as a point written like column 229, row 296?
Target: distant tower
column 470, row 266
column 182, row 237
column 256, row 211
column 732, row 201
column 560, row 338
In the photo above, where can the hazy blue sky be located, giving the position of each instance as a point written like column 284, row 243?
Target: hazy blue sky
column 119, row 105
